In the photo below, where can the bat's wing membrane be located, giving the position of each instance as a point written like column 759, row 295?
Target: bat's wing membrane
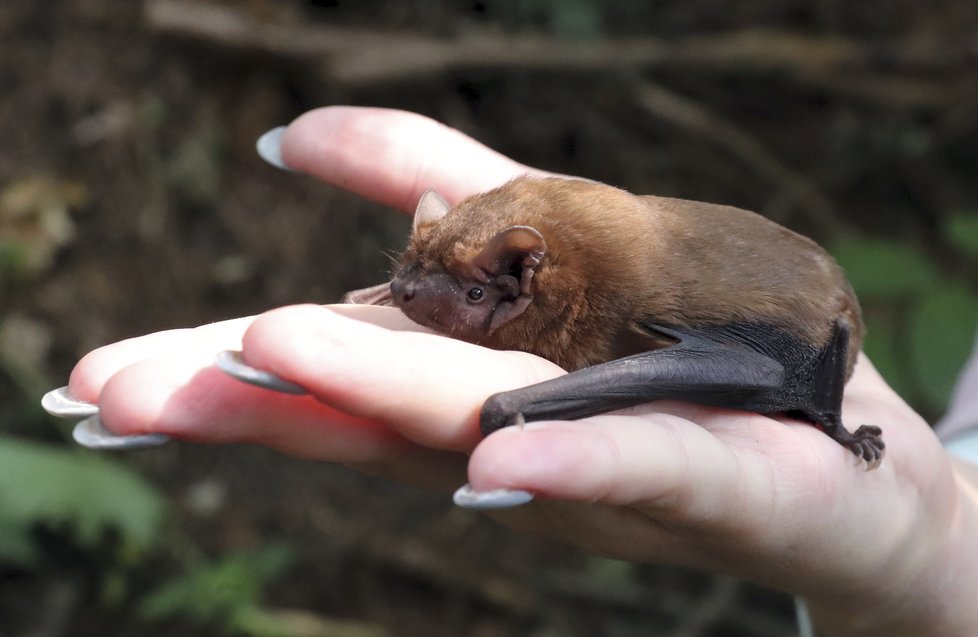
column 374, row 295
column 702, row 369
column 731, row 366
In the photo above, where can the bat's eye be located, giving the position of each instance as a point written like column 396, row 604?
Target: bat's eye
column 476, row 294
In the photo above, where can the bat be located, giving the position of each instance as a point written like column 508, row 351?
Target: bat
column 640, row 298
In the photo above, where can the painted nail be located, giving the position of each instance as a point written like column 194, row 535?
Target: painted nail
column 229, row 362
column 269, row 147
column 92, row 433
column 469, row 498
column 58, row 402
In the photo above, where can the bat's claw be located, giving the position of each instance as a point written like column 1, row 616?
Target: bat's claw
column 499, row 411
column 867, row 443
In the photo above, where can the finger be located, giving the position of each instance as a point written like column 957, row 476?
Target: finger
column 393, row 156
column 427, row 387
column 166, row 383
column 200, row 344
column 660, row 461
column 203, row 405
column 174, row 396
column 662, row 488
column 725, row 471
column 655, row 486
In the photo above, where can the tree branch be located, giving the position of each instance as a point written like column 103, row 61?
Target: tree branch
column 365, row 56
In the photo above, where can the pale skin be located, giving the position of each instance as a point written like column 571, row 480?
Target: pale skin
column 889, row 552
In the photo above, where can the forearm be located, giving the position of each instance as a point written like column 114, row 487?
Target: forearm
column 938, row 600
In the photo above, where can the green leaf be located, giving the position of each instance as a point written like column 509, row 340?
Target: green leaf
column 221, row 591
column 39, row 484
column 882, row 269
column 880, row 345
column 16, row 546
column 961, row 231
column 942, row 332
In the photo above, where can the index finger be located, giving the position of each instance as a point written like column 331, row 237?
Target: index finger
column 426, row 387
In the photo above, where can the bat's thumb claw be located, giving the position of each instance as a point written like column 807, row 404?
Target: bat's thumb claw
column 468, row 498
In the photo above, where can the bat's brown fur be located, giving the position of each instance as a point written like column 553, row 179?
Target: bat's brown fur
column 614, row 259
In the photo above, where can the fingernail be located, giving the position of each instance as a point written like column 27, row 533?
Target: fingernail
column 92, row 433
column 229, row 362
column 469, row 498
column 58, row 402
column 269, row 147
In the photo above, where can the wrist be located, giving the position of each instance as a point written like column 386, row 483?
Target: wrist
column 931, row 593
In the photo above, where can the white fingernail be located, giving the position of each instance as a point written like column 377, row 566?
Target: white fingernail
column 229, row 362
column 92, row 433
column 469, row 498
column 269, row 147
column 58, row 402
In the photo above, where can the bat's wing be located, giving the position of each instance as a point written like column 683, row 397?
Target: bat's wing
column 374, row 295
column 751, row 368
column 696, row 369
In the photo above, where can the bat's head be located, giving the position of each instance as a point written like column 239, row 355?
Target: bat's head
column 461, row 275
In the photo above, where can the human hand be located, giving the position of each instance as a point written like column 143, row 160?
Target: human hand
column 772, row 500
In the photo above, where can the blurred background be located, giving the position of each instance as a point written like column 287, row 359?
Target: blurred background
column 131, row 200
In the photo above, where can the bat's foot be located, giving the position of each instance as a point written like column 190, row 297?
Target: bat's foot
column 866, row 442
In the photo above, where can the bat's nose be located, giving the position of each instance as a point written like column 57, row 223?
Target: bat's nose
column 402, row 292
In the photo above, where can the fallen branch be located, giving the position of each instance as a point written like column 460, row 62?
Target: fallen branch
column 362, row 56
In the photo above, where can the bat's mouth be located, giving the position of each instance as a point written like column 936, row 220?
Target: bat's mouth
column 448, row 325
column 452, row 326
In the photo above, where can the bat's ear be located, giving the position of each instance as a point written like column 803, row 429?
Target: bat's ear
column 431, row 208
column 515, row 251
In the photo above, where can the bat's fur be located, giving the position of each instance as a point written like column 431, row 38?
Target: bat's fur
column 615, row 259
column 582, row 273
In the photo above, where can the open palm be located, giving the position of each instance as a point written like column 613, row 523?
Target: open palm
column 772, row 500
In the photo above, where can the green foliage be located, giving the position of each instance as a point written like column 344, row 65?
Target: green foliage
column 80, row 491
column 568, row 18
column 13, row 262
column 921, row 323
column 225, row 593
column 881, row 344
column 885, row 270
column 942, row 327
column 88, row 495
column 961, row 231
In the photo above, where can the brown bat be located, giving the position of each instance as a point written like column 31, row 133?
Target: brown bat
column 640, row 298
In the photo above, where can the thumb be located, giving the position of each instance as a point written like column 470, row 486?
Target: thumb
column 393, row 156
